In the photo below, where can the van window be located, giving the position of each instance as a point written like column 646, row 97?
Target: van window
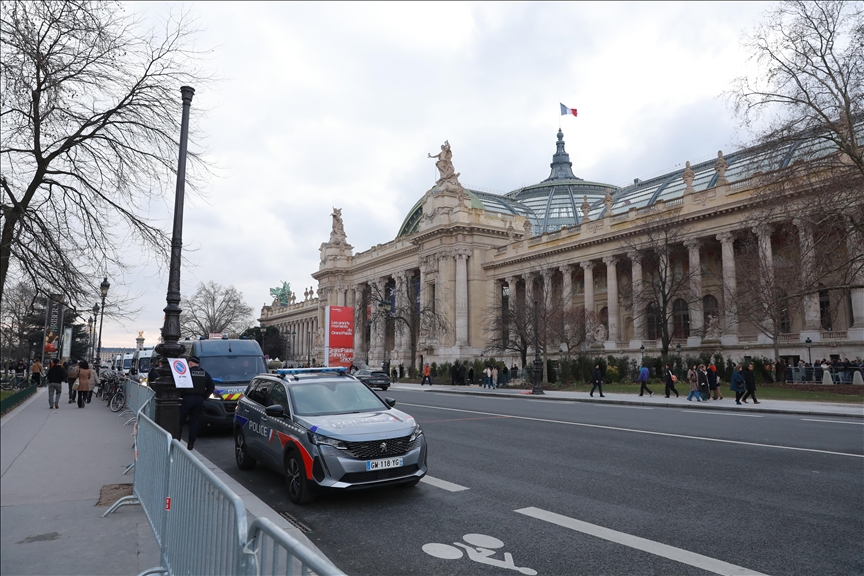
column 233, row 369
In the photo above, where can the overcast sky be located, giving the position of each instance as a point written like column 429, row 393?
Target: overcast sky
column 337, row 105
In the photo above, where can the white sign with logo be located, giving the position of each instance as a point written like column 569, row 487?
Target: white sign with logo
column 180, row 371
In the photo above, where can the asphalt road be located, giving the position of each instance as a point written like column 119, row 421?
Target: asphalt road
column 577, row 488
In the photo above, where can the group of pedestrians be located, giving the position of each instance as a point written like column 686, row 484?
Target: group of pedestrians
column 704, row 383
column 490, row 376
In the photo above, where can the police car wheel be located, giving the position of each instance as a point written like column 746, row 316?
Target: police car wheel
column 241, row 454
column 300, row 489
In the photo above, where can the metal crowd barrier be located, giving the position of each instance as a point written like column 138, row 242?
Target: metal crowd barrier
column 817, row 374
column 137, row 397
column 199, row 523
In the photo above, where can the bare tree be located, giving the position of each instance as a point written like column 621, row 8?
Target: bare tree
column 214, row 309
column 509, row 326
column 412, row 318
column 90, row 122
column 666, row 277
column 16, row 320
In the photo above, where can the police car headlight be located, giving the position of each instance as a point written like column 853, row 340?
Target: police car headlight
column 324, row 440
column 416, row 433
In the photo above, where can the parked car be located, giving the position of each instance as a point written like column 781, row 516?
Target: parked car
column 325, row 429
column 374, row 378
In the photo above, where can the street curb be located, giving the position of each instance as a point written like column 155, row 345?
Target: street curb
column 697, row 406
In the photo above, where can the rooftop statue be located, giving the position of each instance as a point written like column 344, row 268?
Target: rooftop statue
column 337, row 234
column 689, row 175
column 449, row 178
column 721, row 166
column 586, row 207
column 282, row 294
column 608, row 201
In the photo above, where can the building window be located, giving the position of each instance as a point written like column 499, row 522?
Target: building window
column 680, row 319
column 653, row 322
column 825, row 310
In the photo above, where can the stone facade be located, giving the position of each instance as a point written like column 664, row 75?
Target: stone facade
column 461, row 255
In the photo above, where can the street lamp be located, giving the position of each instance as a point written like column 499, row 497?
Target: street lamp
column 809, row 343
column 642, row 352
column 90, row 323
column 293, row 346
column 103, row 287
column 368, row 338
column 309, row 348
column 166, row 400
column 538, row 364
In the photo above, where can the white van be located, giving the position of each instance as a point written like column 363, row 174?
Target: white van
column 127, row 363
column 141, row 364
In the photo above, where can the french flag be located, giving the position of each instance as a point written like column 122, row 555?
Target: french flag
column 565, row 111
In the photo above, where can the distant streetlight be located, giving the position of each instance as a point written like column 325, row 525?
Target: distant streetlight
column 90, row 338
column 642, row 352
column 809, row 343
column 293, row 345
column 103, row 287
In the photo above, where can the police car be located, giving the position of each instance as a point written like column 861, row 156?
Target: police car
column 325, row 429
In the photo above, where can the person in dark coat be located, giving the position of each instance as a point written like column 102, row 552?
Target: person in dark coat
column 737, row 384
column 462, row 374
column 192, row 403
column 702, row 379
column 471, row 375
column 711, row 373
column 596, row 381
column 670, row 381
column 454, row 374
column 749, row 385
column 56, row 375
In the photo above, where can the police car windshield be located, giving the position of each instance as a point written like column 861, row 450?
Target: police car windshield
column 343, row 397
column 233, row 368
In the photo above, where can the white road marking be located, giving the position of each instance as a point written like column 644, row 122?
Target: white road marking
column 649, row 432
column 616, row 406
column 832, row 421
column 718, row 413
column 663, row 550
column 438, row 483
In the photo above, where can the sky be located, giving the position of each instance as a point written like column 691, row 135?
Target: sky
column 329, row 105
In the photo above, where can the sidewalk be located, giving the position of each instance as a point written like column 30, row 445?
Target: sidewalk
column 845, row 410
column 53, row 465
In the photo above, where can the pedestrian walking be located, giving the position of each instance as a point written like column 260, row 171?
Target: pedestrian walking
column 192, row 404
column 644, row 375
column 56, row 375
column 487, row 377
column 427, row 375
column 462, row 372
column 471, row 375
column 670, row 379
column 749, row 385
column 702, row 377
column 596, row 381
column 693, row 381
column 713, row 388
column 71, row 376
column 86, row 378
column 505, row 376
column 737, row 384
column 36, row 372
column 454, row 374
column 495, row 377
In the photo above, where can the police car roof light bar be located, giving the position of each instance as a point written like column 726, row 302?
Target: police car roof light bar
column 319, row 370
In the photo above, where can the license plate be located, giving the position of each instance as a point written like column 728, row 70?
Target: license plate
column 383, row 464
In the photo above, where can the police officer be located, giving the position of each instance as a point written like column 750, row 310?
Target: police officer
column 193, row 400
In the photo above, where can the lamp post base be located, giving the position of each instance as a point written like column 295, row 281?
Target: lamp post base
column 538, row 377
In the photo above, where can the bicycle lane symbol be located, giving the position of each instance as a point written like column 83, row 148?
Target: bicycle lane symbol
column 482, row 549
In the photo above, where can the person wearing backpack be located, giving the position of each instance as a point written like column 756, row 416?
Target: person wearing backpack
column 71, row 376
column 670, row 381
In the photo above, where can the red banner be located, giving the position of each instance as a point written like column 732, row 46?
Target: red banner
column 339, row 336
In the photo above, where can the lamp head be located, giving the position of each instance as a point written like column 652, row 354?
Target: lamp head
column 104, row 286
column 95, row 309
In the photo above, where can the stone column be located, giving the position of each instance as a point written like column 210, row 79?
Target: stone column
column 612, row 303
column 854, row 246
column 763, row 234
column 637, row 299
column 697, row 320
column 730, row 289
column 589, row 290
column 460, row 255
column 812, row 319
column 399, row 329
column 359, row 323
column 567, row 286
column 547, row 288
column 340, row 294
column 379, row 327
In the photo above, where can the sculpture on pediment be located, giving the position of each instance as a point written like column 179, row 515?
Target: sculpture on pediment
column 608, row 201
column 282, row 294
column 511, row 232
column 689, row 175
column 527, row 227
column 586, row 207
column 712, row 329
column 600, row 333
column 448, row 177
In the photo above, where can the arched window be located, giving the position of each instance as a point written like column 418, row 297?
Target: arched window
column 785, row 320
column 652, row 322
column 604, row 317
column 680, row 319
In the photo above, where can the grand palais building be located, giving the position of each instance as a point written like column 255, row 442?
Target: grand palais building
column 462, row 252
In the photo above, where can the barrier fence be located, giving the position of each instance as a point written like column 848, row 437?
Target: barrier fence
column 199, row 523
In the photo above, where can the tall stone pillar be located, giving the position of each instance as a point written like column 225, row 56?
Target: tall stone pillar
column 379, row 327
column 567, row 286
column 637, row 299
column 697, row 319
column 812, row 319
column 400, row 330
column 359, row 323
column 589, row 291
column 340, row 294
column 612, row 303
column 730, row 289
column 460, row 255
column 547, row 275
column 854, row 242
column 763, row 234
